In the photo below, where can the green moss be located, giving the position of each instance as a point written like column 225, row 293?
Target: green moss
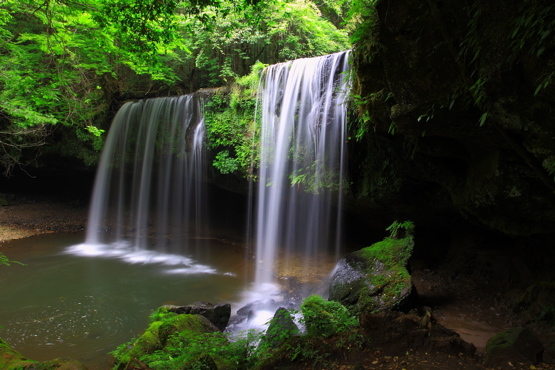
column 161, row 314
column 324, row 318
column 390, row 252
column 148, row 342
column 165, row 339
column 389, row 281
column 11, row 359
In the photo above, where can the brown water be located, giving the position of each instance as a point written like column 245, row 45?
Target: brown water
column 83, row 307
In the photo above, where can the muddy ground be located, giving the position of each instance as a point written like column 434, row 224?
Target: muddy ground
column 460, row 294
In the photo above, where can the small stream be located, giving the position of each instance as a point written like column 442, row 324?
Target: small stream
column 84, row 306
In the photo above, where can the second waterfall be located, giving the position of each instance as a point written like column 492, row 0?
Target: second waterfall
column 302, row 165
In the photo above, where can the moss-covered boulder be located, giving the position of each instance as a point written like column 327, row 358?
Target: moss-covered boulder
column 375, row 278
column 158, row 335
column 325, row 318
column 281, row 327
column 518, row 345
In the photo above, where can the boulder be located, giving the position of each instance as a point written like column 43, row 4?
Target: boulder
column 281, row 328
column 516, row 345
column 217, row 314
column 375, row 278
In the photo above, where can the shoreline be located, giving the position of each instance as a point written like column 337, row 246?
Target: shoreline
column 24, row 219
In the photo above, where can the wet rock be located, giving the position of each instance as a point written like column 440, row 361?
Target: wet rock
column 514, row 345
column 256, row 306
column 248, row 312
column 375, row 278
column 217, row 314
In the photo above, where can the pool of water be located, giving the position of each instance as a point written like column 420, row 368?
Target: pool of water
column 79, row 301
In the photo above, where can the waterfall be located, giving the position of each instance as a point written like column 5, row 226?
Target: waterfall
column 303, row 135
column 148, row 185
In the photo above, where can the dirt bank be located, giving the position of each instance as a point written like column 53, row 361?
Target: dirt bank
column 22, row 218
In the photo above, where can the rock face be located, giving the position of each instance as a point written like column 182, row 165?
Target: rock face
column 375, row 278
column 456, row 100
column 516, row 345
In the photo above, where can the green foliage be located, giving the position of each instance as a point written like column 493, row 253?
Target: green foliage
column 5, row 261
column 231, row 127
column 534, row 33
column 64, row 62
column 400, row 229
column 198, row 351
column 189, row 349
column 361, row 18
column 223, row 42
column 224, row 163
column 326, row 318
column 363, row 106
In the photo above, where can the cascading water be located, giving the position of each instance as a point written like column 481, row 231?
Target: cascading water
column 303, row 139
column 148, row 201
column 148, row 190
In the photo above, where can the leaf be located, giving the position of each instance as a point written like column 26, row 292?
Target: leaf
column 483, row 118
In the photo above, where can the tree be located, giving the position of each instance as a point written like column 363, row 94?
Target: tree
column 65, row 62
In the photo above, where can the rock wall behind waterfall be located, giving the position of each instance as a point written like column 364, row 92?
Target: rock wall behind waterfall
column 455, row 115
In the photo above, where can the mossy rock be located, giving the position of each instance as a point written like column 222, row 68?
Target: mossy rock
column 281, row 327
column 11, row 359
column 196, row 324
column 61, row 364
column 514, row 345
column 539, row 302
column 375, row 278
column 158, row 334
column 324, row 318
